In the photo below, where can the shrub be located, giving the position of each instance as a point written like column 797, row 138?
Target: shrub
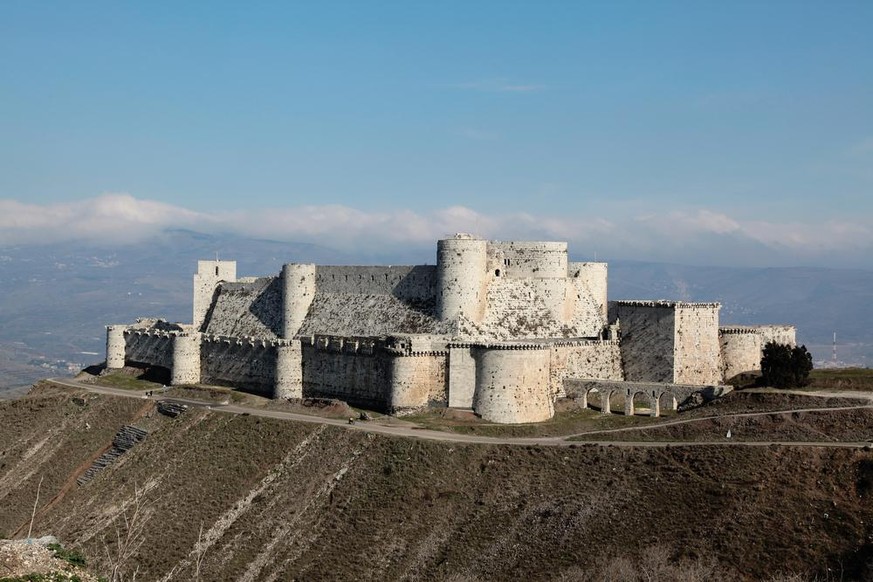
column 785, row 367
column 74, row 557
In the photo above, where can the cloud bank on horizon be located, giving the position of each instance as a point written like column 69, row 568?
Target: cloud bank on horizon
column 694, row 235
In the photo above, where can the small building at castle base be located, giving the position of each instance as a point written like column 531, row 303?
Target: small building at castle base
column 502, row 328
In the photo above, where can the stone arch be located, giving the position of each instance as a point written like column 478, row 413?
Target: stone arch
column 667, row 402
column 615, row 400
column 592, row 399
column 634, row 400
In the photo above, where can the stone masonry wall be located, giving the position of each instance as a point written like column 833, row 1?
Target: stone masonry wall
column 208, row 275
column 781, row 334
column 461, row 377
column 537, row 308
column 528, row 259
column 348, row 314
column 359, row 376
column 647, row 336
column 592, row 281
column 115, row 346
column 252, row 309
column 697, row 356
column 149, row 348
column 417, row 381
column 581, row 359
column 462, row 278
column 512, row 385
column 412, row 284
column 740, row 350
column 249, row 365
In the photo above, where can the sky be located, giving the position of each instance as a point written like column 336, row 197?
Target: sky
column 704, row 132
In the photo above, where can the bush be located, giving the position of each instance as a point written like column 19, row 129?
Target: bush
column 785, row 367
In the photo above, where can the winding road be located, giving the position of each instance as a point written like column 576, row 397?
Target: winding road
column 560, row 441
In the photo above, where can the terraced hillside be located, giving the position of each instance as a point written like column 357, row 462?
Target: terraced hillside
column 217, row 496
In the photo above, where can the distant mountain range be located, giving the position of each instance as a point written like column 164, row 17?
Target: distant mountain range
column 56, row 299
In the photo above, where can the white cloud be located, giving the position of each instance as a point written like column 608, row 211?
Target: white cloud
column 115, row 217
column 700, row 236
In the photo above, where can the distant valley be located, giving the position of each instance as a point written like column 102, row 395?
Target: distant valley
column 56, row 299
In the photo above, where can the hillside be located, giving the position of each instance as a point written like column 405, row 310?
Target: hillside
column 271, row 499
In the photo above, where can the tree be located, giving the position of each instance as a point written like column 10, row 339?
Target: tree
column 785, row 367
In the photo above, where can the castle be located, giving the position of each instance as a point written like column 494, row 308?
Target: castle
column 502, row 328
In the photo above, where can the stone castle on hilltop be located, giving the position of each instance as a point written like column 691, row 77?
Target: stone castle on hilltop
column 502, row 328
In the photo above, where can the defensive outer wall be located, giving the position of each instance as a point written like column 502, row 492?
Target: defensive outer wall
column 496, row 327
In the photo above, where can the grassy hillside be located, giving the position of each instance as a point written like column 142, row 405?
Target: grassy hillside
column 276, row 500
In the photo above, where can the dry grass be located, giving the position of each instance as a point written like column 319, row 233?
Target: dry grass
column 281, row 500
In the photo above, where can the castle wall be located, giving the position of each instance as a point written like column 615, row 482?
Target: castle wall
column 209, row 274
column 417, row 381
column 647, row 339
column 347, row 369
column 298, row 291
column 413, row 284
column 462, row 279
column 583, row 359
column 528, row 259
column 115, row 346
column 251, row 309
column 697, row 356
column 245, row 364
column 512, row 385
column 741, row 349
column 153, row 349
column 781, row 334
column 461, row 377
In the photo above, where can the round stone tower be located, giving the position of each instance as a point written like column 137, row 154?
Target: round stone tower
column 289, row 371
column 461, row 277
column 115, row 346
column 298, row 291
column 186, row 359
column 512, row 385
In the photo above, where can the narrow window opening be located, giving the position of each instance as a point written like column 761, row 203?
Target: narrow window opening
column 216, row 270
column 497, row 272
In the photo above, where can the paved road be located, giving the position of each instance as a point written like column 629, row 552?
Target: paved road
column 427, row 434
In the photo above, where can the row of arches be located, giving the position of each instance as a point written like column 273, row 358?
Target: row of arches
column 630, row 401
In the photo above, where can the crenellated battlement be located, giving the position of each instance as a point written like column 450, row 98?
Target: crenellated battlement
column 669, row 304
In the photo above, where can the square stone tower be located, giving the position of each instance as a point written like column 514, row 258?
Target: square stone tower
column 669, row 341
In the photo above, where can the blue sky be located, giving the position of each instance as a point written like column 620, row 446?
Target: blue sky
column 707, row 132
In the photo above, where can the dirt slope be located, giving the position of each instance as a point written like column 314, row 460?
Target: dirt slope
column 277, row 500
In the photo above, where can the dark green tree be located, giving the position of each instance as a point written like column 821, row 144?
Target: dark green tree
column 785, row 367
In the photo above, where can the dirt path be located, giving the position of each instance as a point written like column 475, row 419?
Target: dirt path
column 561, row 441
